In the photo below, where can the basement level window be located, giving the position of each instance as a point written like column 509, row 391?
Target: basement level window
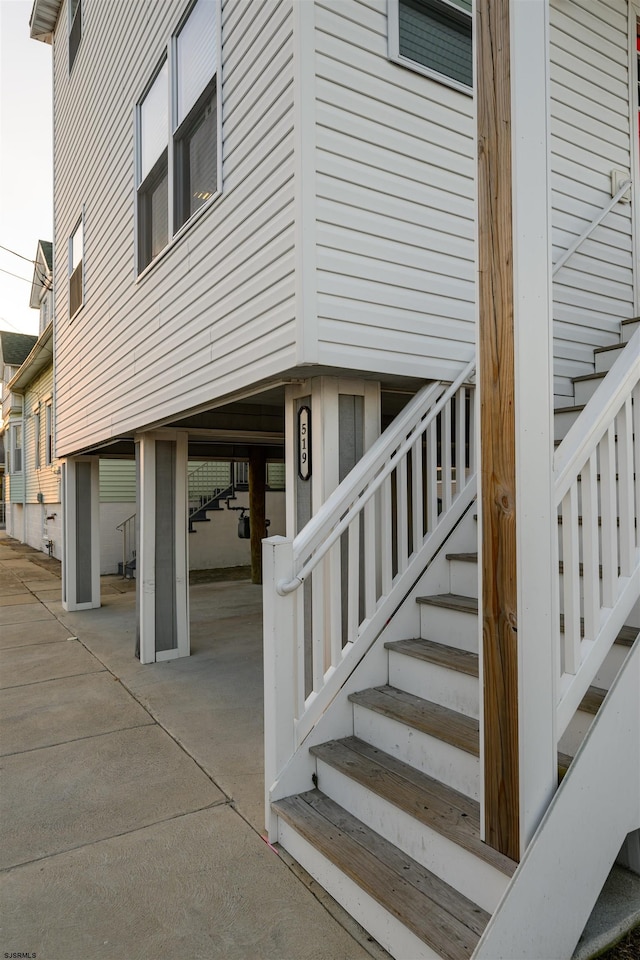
column 433, row 37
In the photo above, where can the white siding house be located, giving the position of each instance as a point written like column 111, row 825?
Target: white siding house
column 282, row 237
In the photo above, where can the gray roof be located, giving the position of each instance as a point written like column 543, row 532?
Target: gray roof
column 15, row 347
column 47, row 249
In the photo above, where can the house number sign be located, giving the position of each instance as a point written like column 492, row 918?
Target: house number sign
column 304, row 443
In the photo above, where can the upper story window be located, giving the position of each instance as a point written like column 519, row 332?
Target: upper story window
column 16, row 448
column 75, row 29
column 76, row 280
column 433, row 37
column 178, row 133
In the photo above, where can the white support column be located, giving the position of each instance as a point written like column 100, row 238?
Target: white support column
column 162, row 557
column 536, row 524
column 81, row 533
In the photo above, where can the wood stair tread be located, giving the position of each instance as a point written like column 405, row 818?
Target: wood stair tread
column 455, row 659
column 427, row 800
column 452, row 601
column 434, row 911
column 431, row 718
column 592, row 376
column 611, row 346
column 464, row 557
column 592, row 700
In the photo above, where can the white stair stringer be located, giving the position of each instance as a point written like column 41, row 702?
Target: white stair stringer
column 557, row 883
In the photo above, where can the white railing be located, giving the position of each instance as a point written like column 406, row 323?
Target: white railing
column 128, row 528
column 597, row 487
column 208, row 478
column 328, row 593
column 618, row 195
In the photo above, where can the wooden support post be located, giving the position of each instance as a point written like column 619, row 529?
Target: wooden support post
column 514, row 365
column 257, row 509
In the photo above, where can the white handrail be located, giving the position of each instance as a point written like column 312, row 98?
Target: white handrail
column 597, row 495
column 391, row 447
column 592, row 226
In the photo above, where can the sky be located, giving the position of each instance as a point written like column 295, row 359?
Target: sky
column 26, row 180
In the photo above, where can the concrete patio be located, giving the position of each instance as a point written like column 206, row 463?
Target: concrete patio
column 132, row 803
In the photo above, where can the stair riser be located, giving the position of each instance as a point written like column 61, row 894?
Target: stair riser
column 463, row 578
column 628, row 330
column 604, row 361
column 474, row 878
column 575, row 732
column 450, row 688
column 437, row 759
column 562, row 421
column 585, row 389
column 456, row 628
column 381, row 924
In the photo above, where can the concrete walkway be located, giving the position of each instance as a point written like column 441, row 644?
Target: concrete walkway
column 131, row 799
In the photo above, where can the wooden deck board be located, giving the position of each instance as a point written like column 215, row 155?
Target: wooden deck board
column 435, row 912
column 429, row 801
column 430, row 718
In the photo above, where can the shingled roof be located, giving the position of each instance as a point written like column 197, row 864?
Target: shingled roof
column 15, row 347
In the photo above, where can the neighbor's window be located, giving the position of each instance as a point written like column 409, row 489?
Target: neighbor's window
column 434, row 37
column 36, row 431
column 170, row 193
column 76, row 284
column 153, row 189
column 48, row 434
column 17, row 449
column 75, row 29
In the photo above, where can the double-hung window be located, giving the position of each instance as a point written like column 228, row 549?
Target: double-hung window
column 75, row 29
column 76, row 281
column 16, row 448
column 37, row 456
column 433, row 37
column 178, row 133
column 48, row 434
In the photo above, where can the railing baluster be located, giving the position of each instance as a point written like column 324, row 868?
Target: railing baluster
column 402, row 514
column 445, row 447
column 335, row 602
column 609, row 529
column 416, row 493
column 432, row 478
column 353, row 610
column 370, row 558
column 385, row 536
column 461, row 438
column 625, row 489
column 318, row 626
column 571, row 577
column 590, row 552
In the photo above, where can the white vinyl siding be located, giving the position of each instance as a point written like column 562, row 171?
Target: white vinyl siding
column 590, row 126
column 45, row 479
column 117, row 481
column 395, row 204
column 216, row 311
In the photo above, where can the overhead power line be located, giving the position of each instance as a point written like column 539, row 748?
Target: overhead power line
column 16, row 254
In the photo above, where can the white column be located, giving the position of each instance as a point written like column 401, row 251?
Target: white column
column 536, row 525
column 81, row 533
column 162, row 568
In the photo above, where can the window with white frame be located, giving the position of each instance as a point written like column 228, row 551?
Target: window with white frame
column 76, row 279
column 178, row 132
column 37, row 455
column 75, row 29
column 48, row 434
column 16, row 448
column 433, row 37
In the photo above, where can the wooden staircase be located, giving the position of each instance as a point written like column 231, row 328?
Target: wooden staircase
column 390, row 824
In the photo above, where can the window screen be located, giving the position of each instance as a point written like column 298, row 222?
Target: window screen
column 437, row 34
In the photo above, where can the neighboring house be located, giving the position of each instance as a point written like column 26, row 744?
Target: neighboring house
column 281, row 246
column 14, row 350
